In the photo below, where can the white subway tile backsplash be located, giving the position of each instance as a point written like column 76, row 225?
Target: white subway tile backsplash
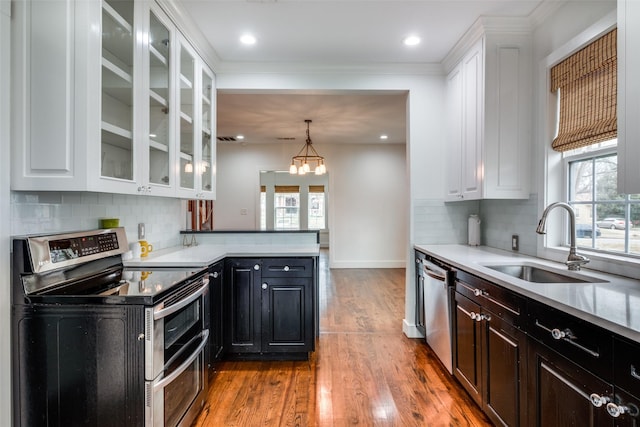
column 52, row 212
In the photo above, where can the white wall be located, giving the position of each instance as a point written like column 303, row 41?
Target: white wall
column 367, row 196
column 5, row 311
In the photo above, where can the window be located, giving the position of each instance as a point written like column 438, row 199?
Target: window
column 605, row 220
column 287, row 207
column 316, row 207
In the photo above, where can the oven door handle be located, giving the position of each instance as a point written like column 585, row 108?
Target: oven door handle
column 182, row 303
column 166, row 380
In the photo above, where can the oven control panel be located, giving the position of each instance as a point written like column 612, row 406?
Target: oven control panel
column 78, row 247
column 54, row 251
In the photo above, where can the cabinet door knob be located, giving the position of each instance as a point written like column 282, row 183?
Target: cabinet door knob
column 597, row 400
column 264, row 286
column 256, row 267
column 616, row 410
column 286, row 268
column 215, row 274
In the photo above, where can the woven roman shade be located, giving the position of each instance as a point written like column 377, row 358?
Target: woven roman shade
column 287, row 189
column 316, row 189
column 587, row 81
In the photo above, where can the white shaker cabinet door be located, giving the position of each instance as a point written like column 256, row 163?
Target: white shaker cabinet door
column 628, row 96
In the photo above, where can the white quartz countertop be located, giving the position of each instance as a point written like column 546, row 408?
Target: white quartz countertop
column 610, row 301
column 205, row 255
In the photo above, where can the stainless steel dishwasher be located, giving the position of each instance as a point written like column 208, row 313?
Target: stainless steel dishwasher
column 437, row 319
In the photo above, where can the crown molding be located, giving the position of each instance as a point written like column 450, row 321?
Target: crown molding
column 197, row 39
column 310, row 68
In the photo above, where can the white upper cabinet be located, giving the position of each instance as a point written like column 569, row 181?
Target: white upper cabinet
column 489, row 118
column 628, row 97
column 107, row 100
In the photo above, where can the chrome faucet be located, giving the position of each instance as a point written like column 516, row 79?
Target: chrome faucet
column 575, row 260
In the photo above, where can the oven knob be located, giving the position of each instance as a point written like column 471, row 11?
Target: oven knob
column 264, row 286
column 140, row 337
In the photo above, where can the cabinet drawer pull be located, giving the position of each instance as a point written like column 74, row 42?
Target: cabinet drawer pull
column 286, row 268
column 567, row 336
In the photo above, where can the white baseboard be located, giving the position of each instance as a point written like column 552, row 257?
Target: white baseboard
column 410, row 330
column 368, row 264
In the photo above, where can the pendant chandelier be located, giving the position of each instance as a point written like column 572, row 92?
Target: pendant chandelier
column 307, row 158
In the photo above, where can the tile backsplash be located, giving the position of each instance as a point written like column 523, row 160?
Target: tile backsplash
column 437, row 222
column 52, row 212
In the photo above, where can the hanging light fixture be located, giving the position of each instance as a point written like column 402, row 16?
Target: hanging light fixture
column 307, row 157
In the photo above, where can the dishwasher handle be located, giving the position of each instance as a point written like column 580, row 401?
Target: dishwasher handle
column 434, row 271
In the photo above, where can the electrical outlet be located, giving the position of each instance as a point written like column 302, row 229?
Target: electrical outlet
column 244, row 211
column 515, row 242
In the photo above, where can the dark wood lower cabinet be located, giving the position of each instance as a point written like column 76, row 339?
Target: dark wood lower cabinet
column 490, row 362
column 561, row 392
column 270, row 307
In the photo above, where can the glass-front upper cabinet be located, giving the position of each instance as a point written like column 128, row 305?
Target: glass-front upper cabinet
column 160, row 95
column 207, row 145
column 186, row 136
column 117, row 123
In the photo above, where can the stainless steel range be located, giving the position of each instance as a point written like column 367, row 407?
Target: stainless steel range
column 95, row 343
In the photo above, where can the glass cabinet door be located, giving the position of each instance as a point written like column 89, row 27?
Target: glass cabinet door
column 207, row 161
column 159, row 95
column 187, row 103
column 117, row 155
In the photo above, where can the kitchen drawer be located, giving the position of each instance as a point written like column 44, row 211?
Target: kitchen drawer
column 626, row 366
column 287, row 267
column 500, row 301
column 582, row 342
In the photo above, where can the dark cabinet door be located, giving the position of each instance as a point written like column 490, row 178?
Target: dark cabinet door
column 505, row 365
column 216, row 343
column 287, row 314
column 242, row 288
column 467, row 354
column 561, row 392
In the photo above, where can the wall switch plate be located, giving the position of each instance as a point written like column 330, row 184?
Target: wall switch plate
column 244, row 211
column 141, row 231
column 515, row 242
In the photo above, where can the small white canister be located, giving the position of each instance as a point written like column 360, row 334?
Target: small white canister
column 474, row 230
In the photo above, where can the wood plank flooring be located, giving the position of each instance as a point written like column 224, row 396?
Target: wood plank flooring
column 364, row 371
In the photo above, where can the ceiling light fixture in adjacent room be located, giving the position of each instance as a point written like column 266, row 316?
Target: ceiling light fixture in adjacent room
column 247, row 39
column 411, row 41
column 301, row 163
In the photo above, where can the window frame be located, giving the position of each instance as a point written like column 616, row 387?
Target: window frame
column 552, row 178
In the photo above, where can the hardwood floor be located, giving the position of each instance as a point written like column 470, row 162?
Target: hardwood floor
column 364, row 371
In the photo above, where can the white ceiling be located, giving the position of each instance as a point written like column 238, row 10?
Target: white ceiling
column 333, row 33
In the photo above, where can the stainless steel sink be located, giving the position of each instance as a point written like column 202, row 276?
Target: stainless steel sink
column 540, row 274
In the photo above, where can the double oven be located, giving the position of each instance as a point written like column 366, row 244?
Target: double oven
column 95, row 343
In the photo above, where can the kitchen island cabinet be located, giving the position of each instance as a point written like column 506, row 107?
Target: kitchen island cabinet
column 270, row 308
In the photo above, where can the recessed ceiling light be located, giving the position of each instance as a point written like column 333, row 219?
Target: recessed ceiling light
column 247, row 39
column 240, row 137
column 411, row 41
column 384, row 137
